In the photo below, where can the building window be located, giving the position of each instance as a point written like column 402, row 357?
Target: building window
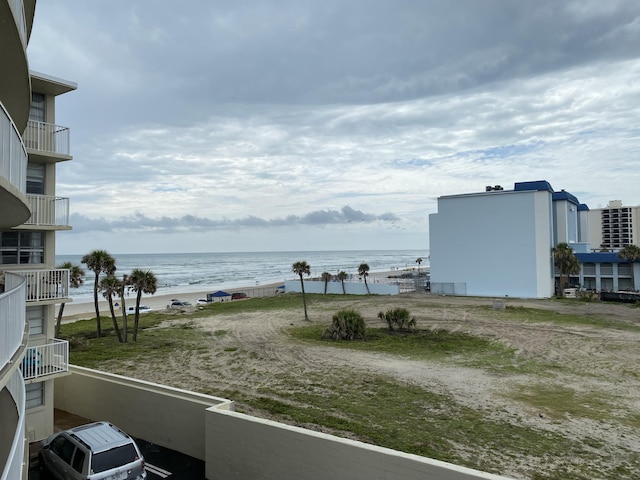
column 37, row 112
column 35, row 319
column 35, row 178
column 34, row 395
column 18, row 248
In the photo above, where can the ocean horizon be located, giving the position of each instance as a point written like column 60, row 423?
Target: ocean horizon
column 196, row 272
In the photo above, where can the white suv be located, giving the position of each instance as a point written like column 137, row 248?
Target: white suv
column 93, row 452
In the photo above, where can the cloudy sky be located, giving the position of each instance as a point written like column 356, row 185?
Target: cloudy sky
column 326, row 125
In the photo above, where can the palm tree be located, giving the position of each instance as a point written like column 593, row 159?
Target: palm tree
column 76, row 274
column 419, row 261
column 630, row 253
column 342, row 276
column 141, row 281
column 110, row 287
column 99, row 261
column 566, row 261
column 326, row 276
column 363, row 271
column 302, row 268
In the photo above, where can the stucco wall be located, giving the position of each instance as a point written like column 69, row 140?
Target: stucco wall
column 351, row 288
column 493, row 242
column 240, row 447
column 166, row 416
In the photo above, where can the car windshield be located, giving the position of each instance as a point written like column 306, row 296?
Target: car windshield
column 116, row 457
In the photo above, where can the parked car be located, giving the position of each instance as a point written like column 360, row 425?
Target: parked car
column 238, row 296
column 97, row 451
column 202, row 301
column 179, row 304
column 143, row 309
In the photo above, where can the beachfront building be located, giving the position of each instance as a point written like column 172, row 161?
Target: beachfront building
column 499, row 242
column 31, row 145
column 612, row 228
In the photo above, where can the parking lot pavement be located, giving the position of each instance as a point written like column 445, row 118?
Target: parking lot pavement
column 164, row 463
column 160, row 462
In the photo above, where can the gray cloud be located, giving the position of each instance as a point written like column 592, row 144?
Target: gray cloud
column 267, row 111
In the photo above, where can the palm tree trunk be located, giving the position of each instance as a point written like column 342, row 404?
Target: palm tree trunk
column 366, row 285
column 137, row 316
column 59, row 320
column 304, row 300
column 125, row 331
column 115, row 320
column 95, row 303
column 344, row 292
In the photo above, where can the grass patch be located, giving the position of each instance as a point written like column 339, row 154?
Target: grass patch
column 536, row 315
column 454, row 347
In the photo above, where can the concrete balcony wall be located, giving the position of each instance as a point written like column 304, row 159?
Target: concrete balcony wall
column 48, row 211
column 13, row 326
column 12, row 419
column 14, row 208
column 237, row 446
column 166, row 416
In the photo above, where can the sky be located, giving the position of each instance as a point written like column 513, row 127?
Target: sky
column 292, row 125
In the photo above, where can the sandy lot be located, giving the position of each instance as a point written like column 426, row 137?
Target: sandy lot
column 599, row 359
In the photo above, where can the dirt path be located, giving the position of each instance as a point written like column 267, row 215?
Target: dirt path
column 595, row 360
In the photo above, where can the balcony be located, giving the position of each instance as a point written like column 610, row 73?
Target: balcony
column 48, row 211
column 47, row 140
column 14, row 209
column 51, row 286
column 12, row 418
column 46, row 360
column 13, row 325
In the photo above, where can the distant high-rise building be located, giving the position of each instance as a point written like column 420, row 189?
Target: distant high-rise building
column 614, row 227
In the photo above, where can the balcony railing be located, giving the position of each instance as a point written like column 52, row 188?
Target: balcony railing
column 44, row 360
column 13, row 156
column 47, row 210
column 14, row 463
column 47, row 137
column 45, row 285
column 12, row 316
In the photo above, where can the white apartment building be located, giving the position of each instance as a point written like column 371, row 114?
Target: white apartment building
column 615, row 226
column 31, row 144
column 499, row 242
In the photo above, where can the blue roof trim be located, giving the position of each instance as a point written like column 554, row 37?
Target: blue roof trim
column 565, row 196
column 599, row 257
column 583, row 207
column 537, row 185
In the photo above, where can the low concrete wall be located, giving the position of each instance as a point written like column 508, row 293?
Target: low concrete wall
column 166, row 416
column 351, row 288
column 240, row 447
column 235, row 446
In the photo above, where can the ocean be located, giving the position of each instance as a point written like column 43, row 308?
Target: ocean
column 195, row 272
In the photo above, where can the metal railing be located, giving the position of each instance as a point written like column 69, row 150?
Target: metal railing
column 13, row 156
column 48, row 210
column 14, row 465
column 12, row 316
column 44, row 285
column 47, row 137
column 44, row 360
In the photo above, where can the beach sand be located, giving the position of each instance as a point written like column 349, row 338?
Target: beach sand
column 81, row 310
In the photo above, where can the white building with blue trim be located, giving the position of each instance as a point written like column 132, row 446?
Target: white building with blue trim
column 499, row 243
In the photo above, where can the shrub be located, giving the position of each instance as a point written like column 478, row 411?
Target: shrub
column 346, row 325
column 398, row 318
